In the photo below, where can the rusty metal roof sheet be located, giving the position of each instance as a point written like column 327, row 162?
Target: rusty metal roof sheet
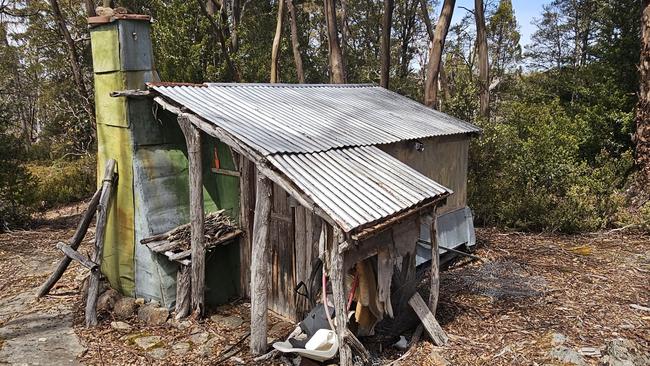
column 358, row 186
column 284, row 118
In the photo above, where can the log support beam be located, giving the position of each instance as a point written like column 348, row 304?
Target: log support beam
column 102, row 217
column 425, row 312
column 73, row 254
column 74, row 244
column 193, row 141
column 259, row 265
column 337, row 276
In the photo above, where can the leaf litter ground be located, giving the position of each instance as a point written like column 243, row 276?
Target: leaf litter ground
column 505, row 311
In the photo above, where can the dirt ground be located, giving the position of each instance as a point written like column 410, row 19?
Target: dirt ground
column 535, row 299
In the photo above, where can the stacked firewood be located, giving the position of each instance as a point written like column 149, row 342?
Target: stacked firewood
column 218, row 226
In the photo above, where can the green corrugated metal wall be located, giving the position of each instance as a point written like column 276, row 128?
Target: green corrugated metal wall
column 152, row 194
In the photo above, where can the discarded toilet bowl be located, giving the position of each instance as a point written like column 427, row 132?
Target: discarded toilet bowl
column 321, row 347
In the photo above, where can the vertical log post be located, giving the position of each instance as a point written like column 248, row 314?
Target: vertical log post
column 193, row 141
column 337, row 276
column 93, row 286
column 435, row 265
column 259, row 265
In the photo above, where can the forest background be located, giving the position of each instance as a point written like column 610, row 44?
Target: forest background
column 558, row 150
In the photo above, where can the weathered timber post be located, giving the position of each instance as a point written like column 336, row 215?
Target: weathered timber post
column 74, row 243
column 93, row 286
column 259, row 264
column 435, row 265
column 246, row 186
column 183, row 291
column 337, row 276
column 193, row 141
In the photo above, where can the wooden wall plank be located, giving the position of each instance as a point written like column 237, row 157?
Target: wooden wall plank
column 444, row 160
column 282, row 268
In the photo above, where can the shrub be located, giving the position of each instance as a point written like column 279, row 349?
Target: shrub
column 64, row 181
column 17, row 185
column 527, row 172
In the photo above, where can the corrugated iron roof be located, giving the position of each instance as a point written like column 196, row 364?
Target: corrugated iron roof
column 358, row 186
column 321, row 137
column 284, row 118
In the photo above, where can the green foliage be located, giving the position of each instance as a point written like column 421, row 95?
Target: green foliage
column 64, row 181
column 17, row 186
column 527, row 173
column 555, row 153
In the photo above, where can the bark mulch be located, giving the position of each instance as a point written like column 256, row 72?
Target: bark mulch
column 507, row 310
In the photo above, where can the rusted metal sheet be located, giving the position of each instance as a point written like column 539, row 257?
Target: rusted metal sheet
column 282, row 118
column 358, row 186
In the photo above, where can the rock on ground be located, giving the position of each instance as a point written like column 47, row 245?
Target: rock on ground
column 153, row 315
column 120, row 326
column 39, row 337
column 107, row 300
column 228, row 322
column 158, row 353
column 147, row 342
column 624, row 352
column 567, row 356
column 125, row 308
column 181, row 348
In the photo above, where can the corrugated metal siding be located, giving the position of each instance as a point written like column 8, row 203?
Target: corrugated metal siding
column 282, row 118
column 357, row 186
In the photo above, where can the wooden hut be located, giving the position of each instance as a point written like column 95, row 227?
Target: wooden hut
column 336, row 172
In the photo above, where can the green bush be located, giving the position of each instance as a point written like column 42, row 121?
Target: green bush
column 17, row 185
column 527, row 172
column 64, row 181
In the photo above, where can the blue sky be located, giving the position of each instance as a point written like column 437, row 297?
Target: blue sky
column 525, row 11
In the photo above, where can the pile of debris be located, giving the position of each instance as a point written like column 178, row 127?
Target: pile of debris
column 219, row 229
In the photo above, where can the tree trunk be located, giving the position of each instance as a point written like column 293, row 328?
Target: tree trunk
column 208, row 11
column 424, row 9
column 275, row 50
column 345, row 29
column 297, row 58
column 236, row 19
column 73, row 57
column 483, row 66
column 337, row 71
column 435, row 53
column 386, row 23
column 90, row 8
column 642, row 135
